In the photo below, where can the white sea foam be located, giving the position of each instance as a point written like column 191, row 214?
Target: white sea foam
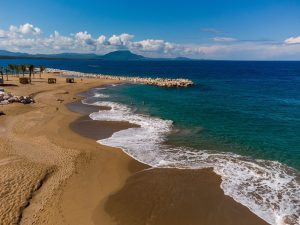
column 269, row 189
column 99, row 95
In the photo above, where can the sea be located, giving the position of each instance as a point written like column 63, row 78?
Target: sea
column 242, row 118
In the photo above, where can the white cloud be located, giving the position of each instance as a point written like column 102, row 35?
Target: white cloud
column 3, row 34
column 28, row 38
column 114, row 40
column 224, row 39
column 119, row 40
column 150, row 45
column 293, row 40
column 57, row 42
column 101, row 39
column 84, row 38
column 26, row 29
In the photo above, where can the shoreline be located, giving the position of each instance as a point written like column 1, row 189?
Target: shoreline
column 141, row 183
column 252, row 182
column 79, row 181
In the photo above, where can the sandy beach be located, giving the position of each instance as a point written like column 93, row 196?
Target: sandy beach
column 54, row 172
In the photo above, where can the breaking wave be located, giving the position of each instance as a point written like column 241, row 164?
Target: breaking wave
column 268, row 188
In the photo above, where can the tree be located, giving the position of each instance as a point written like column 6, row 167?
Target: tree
column 1, row 72
column 42, row 69
column 12, row 68
column 23, row 68
column 31, row 71
column 6, row 72
column 18, row 69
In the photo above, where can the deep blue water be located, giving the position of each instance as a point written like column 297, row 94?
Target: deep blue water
column 250, row 108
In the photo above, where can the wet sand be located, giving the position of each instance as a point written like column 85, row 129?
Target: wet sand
column 89, row 128
column 176, row 197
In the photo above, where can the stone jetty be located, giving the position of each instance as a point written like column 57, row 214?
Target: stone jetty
column 162, row 82
column 7, row 98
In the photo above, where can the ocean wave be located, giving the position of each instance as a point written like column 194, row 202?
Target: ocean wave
column 99, row 95
column 269, row 189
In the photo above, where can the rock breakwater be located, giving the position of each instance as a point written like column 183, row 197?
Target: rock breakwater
column 162, row 82
column 7, row 98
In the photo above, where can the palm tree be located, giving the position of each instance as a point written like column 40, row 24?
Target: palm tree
column 42, row 69
column 23, row 68
column 11, row 68
column 33, row 68
column 1, row 73
column 18, row 69
column 31, row 71
column 6, row 72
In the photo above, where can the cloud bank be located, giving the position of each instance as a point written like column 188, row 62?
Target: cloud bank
column 29, row 38
column 293, row 40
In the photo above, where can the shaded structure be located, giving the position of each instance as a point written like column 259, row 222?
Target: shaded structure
column 24, row 80
column 51, row 80
column 70, row 80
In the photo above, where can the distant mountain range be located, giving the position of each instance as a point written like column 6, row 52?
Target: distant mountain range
column 123, row 55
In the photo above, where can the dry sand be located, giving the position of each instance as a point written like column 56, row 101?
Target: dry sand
column 52, row 175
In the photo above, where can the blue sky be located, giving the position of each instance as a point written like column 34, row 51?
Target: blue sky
column 217, row 29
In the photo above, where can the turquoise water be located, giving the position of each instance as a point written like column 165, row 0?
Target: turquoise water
column 236, row 107
column 241, row 118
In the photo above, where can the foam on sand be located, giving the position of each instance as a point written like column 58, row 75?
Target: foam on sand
column 269, row 189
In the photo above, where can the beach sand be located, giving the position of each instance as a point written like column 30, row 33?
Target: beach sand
column 53, row 171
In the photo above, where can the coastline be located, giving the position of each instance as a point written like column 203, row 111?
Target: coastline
column 176, row 191
column 82, row 182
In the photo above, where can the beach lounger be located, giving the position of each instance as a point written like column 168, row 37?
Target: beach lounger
column 70, row 80
column 51, row 80
column 24, row 80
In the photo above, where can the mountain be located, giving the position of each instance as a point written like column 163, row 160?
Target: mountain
column 122, row 55
column 117, row 55
column 7, row 53
column 69, row 56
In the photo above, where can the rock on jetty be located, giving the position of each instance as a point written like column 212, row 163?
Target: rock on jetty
column 162, row 82
column 7, row 98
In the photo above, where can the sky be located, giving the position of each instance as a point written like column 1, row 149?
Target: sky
column 215, row 29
